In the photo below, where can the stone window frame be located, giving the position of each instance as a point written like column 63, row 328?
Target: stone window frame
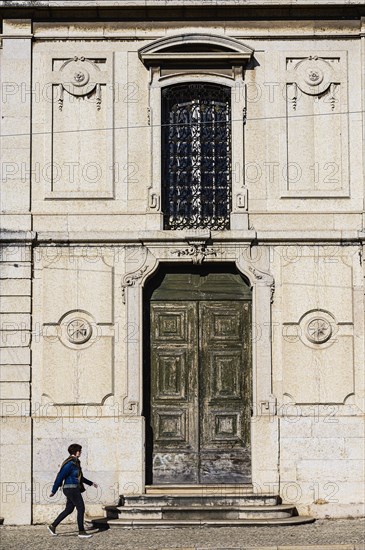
column 198, row 58
column 185, row 202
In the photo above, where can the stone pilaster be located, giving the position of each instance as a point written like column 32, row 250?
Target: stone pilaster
column 15, row 379
column 15, row 120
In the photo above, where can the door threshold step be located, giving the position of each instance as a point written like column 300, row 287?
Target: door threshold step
column 204, row 489
column 201, row 512
column 209, row 508
column 199, row 500
column 163, row 523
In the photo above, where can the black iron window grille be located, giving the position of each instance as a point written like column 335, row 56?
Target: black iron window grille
column 196, row 156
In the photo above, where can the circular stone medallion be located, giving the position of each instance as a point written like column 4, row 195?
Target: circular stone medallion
column 79, row 331
column 319, row 330
column 314, row 75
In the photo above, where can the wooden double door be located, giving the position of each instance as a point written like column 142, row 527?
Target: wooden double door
column 200, row 392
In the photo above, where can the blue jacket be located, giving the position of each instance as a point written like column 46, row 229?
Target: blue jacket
column 69, row 474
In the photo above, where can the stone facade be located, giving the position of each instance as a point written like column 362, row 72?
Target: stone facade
column 82, row 236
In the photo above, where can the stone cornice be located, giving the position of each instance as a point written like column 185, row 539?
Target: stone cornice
column 162, row 238
column 34, row 4
column 26, row 237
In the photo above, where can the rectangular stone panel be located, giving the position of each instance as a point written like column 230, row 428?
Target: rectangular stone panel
column 78, row 376
column 316, row 125
column 81, row 154
column 319, row 376
column 77, row 283
column 322, row 280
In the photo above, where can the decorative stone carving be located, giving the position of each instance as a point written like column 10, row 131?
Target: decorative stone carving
column 79, row 330
column 315, row 327
column 130, row 407
column 76, row 329
column 80, row 77
column 318, row 330
column 266, row 278
column 313, row 76
column 241, row 199
column 198, row 251
column 154, row 201
column 130, row 279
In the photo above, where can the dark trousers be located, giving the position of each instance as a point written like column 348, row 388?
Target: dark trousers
column 74, row 499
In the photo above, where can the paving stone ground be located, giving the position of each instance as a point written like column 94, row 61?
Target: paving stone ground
column 321, row 535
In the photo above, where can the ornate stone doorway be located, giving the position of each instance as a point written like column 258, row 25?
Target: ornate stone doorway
column 198, row 376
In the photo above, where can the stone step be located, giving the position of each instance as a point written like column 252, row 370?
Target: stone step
column 200, row 500
column 203, row 512
column 172, row 523
column 200, row 490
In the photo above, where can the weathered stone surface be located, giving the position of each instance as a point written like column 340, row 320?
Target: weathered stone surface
column 82, row 237
column 15, row 287
column 14, row 373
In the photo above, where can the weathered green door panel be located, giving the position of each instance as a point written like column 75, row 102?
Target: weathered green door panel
column 195, row 286
column 200, row 383
column 224, row 418
column 174, row 385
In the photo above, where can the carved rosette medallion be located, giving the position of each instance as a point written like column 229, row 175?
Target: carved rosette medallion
column 316, row 327
column 312, row 76
column 80, row 77
column 318, row 330
column 79, row 330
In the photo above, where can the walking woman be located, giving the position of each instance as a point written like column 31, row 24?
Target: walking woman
column 71, row 474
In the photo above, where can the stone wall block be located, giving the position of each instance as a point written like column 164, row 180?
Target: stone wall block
column 15, row 304
column 15, row 470
column 15, row 287
column 19, row 270
column 14, row 338
column 313, row 448
column 15, row 373
column 14, row 390
column 15, row 356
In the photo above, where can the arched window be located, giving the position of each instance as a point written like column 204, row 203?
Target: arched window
column 197, row 108
column 196, row 156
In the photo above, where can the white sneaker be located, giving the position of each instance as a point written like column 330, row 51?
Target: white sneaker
column 52, row 530
column 84, row 535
